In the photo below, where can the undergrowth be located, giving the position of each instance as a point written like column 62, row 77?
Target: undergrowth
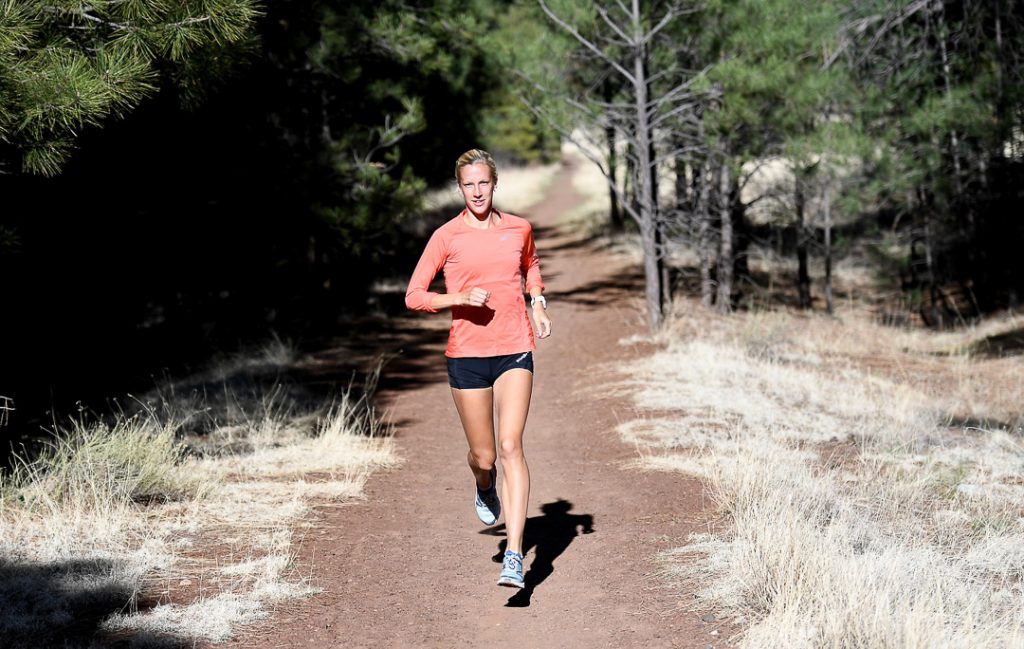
column 865, row 479
column 175, row 522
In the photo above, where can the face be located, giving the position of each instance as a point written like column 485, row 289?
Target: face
column 477, row 188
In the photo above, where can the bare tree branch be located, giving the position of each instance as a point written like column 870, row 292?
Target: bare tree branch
column 860, row 26
column 628, row 40
column 665, row 20
column 585, row 42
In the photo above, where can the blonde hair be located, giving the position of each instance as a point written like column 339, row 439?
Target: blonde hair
column 476, row 156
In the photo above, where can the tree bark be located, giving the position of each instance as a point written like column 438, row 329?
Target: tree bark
column 629, row 191
column 740, row 236
column 725, row 254
column 703, row 212
column 827, row 213
column 645, row 184
column 661, row 236
column 617, row 221
column 663, row 269
column 803, row 276
column 935, row 310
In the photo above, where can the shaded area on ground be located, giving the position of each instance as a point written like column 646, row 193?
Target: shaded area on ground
column 1008, row 343
column 63, row 604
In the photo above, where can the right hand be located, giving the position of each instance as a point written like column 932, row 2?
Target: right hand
column 475, row 296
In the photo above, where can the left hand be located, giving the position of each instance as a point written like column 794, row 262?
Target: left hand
column 540, row 316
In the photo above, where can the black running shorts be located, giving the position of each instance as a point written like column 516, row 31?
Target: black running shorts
column 475, row 372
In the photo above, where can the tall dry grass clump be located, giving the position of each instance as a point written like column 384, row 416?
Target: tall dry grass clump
column 177, row 523
column 104, row 467
column 867, row 479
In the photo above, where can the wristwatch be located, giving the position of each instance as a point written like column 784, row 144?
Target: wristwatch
column 539, row 298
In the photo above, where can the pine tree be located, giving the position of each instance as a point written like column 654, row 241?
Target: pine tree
column 66, row 65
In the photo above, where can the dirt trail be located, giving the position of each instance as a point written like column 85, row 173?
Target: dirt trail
column 413, row 567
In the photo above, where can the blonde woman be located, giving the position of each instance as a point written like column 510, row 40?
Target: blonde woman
column 486, row 255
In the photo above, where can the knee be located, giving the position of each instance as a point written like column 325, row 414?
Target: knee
column 483, row 459
column 511, row 449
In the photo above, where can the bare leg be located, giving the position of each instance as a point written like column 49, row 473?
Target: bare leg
column 477, row 414
column 512, row 393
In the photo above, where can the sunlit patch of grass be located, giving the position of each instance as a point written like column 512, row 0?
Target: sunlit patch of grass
column 870, row 485
column 101, row 467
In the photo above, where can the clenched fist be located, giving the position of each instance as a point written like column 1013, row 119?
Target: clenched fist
column 475, row 296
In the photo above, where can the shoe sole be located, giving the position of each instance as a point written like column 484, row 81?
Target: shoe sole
column 509, row 582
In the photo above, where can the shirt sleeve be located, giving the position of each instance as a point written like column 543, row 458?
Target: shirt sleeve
column 417, row 297
column 530, row 263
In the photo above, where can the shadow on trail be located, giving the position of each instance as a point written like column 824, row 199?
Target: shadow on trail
column 548, row 536
column 618, row 287
column 65, row 604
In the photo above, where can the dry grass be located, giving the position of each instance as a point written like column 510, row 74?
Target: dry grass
column 176, row 524
column 868, row 477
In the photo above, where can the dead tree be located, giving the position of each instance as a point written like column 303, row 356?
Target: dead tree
column 648, row 107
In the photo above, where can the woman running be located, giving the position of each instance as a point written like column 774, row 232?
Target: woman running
column 485, row 255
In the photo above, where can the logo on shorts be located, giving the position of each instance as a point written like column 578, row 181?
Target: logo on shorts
column 520, row 359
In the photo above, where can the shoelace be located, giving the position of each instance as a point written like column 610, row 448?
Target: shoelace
column 513, row 562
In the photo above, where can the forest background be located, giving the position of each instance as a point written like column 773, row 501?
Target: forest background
column 183, row 177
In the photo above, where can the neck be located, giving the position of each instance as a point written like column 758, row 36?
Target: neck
column 482, row 223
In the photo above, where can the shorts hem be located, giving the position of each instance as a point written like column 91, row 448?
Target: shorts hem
column 481, row 372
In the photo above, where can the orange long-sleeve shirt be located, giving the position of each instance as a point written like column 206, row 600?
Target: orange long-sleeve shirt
column 496, row 259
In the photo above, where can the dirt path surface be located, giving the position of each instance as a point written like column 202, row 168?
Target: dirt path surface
column 413, row 567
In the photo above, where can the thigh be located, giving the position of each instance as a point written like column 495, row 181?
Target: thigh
column 476, row 410
column 512, row 393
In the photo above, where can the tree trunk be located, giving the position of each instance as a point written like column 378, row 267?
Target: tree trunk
column 703, row 211
column 645, row 182
column 827, row 199
column 629, row 183
column 652, row 292
column 740, row 236
column 803, row 276
column 663, row 269
column 937, row 320
column 954, row 139
column 725, row 254
column 617, row 221
column 661, row 236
